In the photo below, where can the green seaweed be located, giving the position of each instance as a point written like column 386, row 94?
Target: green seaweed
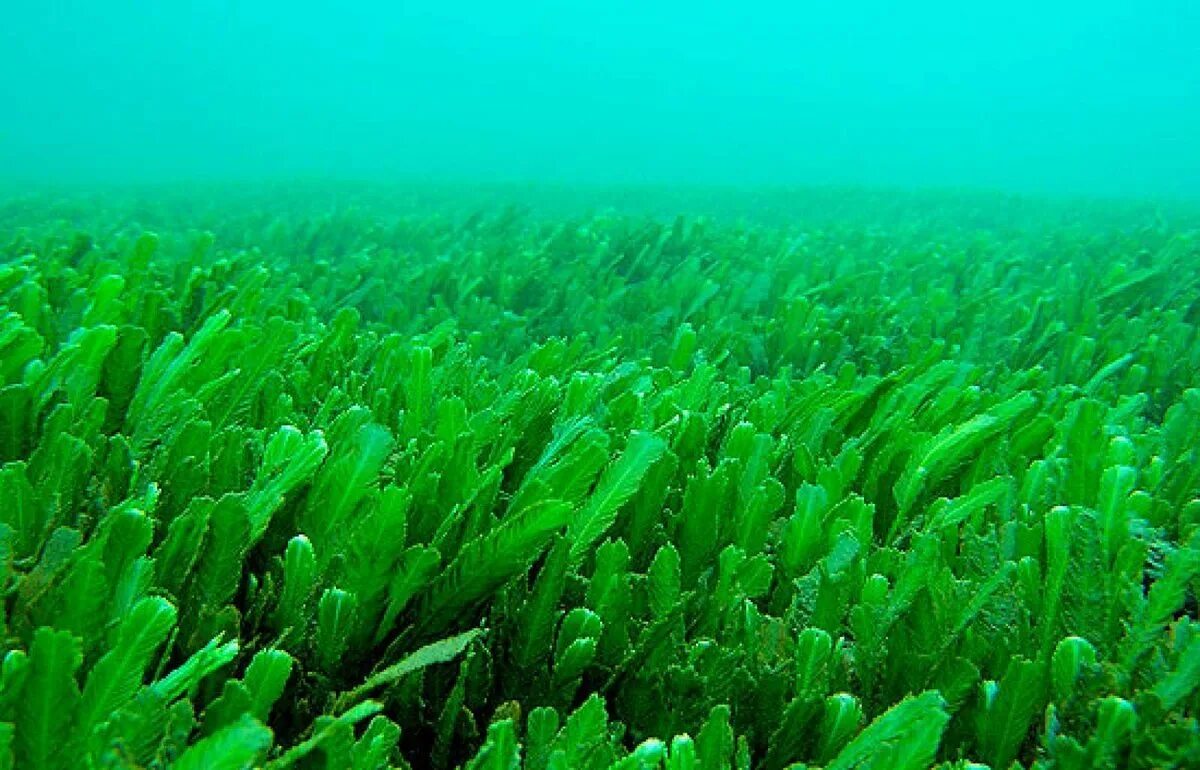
column 895, row 486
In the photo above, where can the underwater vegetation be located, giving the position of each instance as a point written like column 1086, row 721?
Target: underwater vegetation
column 367, row 488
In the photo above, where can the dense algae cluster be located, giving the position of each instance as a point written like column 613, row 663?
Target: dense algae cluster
column 304, row 486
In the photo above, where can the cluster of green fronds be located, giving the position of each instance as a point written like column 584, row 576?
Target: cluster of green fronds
column 368, row 491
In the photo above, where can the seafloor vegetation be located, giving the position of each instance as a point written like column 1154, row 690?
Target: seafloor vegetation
column 370, row 485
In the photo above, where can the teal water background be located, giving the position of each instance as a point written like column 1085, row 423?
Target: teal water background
column 1094, row 98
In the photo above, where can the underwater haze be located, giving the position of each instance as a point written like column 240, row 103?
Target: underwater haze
column 609, row 386
column 1096, row 98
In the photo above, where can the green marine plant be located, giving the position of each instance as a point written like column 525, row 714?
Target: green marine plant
column 874, row 486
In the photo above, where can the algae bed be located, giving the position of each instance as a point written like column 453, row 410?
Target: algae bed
column 372, row 478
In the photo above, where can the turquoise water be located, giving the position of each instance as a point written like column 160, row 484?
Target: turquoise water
column 616, row 386
column 1096, row 98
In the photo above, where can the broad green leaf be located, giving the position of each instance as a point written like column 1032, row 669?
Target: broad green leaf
column 240, row 746
column 714, row 743
column 500, row 751
column 616, row 485
column 13, row 672
column 683, row 754
column 336, row 615
column 119, row 674
column 220, row 567
column 541, row 611
column 841, row 721
column 489, row 562
column 156, row 402
column 941, row 454
column 442, row 651
column 21, row 509
column 18, row 346
column 208, row 659
column 541, row 729
column 950, row 513
column 233, row 703
column 265, row 679
column 1008, row 709
column 1165, row 598
column 416, row 569
column 906, row 737
column 1183, row 680
column 299, row 582
column 664, row 581
column 77, row 367
column 290, row 459
column 1073, row 657
column 373, row 750
column 180, row 551
column 350, row 474
column 418, row 391
column 46, row 714
column 583, row 739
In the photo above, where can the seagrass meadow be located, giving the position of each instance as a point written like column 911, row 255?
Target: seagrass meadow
column 374, row 479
